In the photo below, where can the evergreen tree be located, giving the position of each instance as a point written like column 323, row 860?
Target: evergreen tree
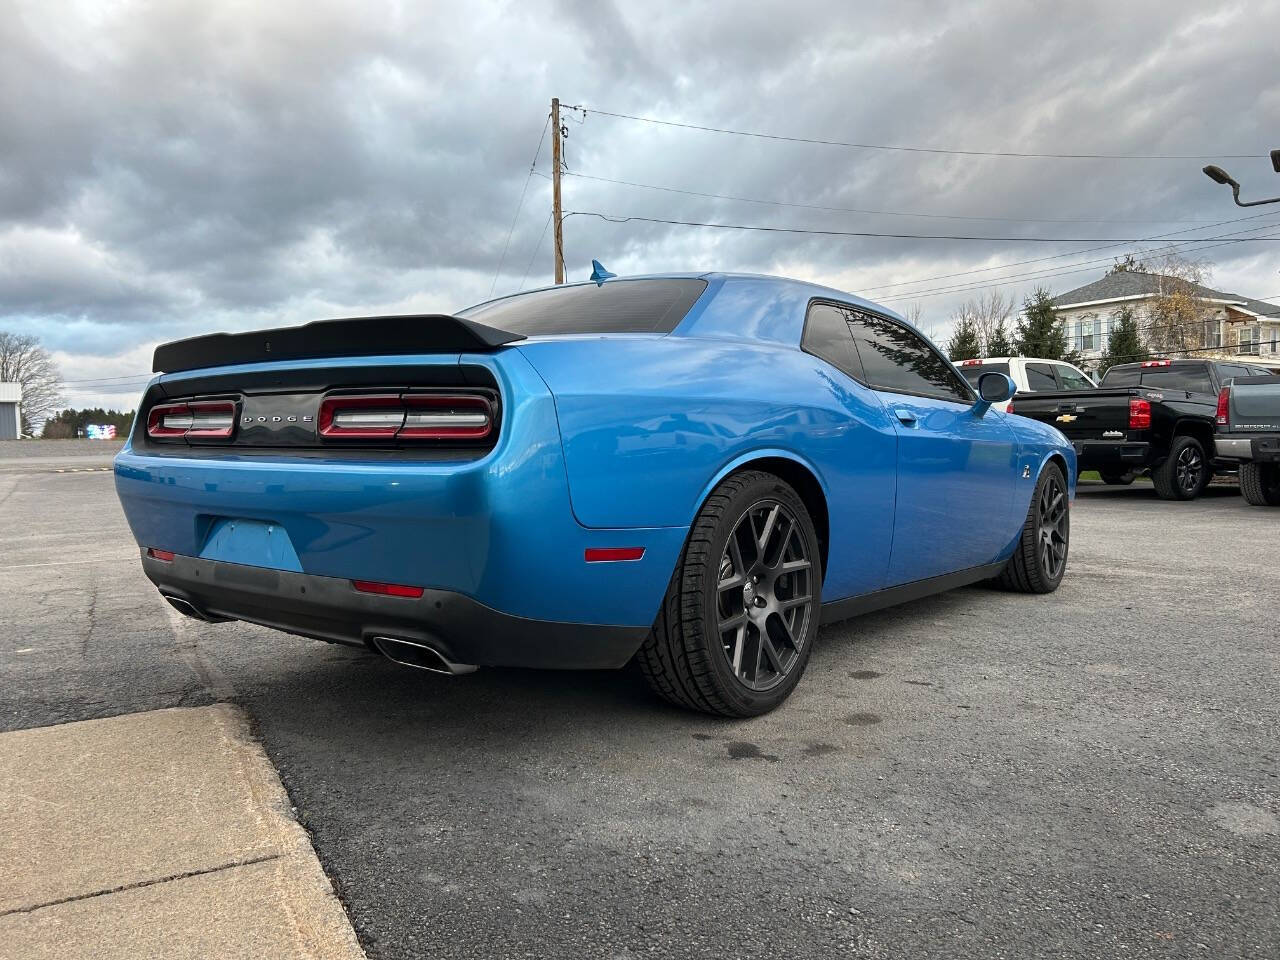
column 1124, row 344
column 1039, row 332
column 964, row 344
column 999, row 344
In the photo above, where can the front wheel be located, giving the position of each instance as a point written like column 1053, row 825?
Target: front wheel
column 1040, row 558
column 741, row 614
column 1260, row 483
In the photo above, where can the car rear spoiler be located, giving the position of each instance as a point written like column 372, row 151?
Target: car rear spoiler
column 355, row 337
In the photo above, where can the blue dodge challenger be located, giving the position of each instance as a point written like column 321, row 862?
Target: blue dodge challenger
column 692, row 471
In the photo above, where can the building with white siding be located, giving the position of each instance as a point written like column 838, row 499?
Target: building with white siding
column 10, row 410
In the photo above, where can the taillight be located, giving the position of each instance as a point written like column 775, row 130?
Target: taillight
column 1156, row 363
column 408, row 416
column 201, row 419
column 1224, row 402
column 1139, row 414
column 1009, row 408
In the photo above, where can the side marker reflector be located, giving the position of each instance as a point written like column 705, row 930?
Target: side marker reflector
column 165, row 555
column 386, row 589
column 612, row 554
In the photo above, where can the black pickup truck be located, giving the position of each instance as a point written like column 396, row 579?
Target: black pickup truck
column 1157, row 415
column 1248, row 431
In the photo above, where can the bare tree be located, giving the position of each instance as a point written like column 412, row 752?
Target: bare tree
column 989, row 317
column 24, row 361
column 1177, row 317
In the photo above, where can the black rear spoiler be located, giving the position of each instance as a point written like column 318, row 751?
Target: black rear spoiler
column 355, row 337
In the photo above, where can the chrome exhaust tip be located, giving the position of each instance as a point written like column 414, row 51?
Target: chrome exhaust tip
column 420, row 656
column 187, row 608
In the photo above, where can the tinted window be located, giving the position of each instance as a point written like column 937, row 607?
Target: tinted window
column 1226, row 371
column 617, row 306
column 1121, row 377
column 826, row 335
column 972, row 373
column 895, row 358
column 1195, row 379
column 1072, row 379
column 1040, row 377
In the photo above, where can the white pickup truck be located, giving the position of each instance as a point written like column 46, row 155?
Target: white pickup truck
column 1031, row 374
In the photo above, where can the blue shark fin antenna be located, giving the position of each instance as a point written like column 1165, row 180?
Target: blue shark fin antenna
column 599, row 274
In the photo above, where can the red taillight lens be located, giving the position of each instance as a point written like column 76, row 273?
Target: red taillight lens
column 157, row 554
column 206, row 419
column 1139, row 414
column 362, row 417
column 386, row 589
column 409, row 416
column 1009, row 408
column 1224, row 406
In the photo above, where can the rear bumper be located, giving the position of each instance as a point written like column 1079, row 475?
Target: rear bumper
column 330, row 608
column 1092, row 454
column 1264, row 449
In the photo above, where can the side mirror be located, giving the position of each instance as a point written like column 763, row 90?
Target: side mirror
column 993, row 388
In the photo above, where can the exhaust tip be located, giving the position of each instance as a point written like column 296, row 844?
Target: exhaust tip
column 420, row 656
column 186, row 608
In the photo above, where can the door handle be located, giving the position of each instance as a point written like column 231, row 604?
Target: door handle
column 905, row 415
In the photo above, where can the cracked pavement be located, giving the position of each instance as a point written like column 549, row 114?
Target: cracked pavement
column 980, row 774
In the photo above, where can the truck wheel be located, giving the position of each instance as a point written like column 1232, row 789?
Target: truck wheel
column 1185, row 473
column 1260, row 483
column 1040, row 558
column 1117, row 478
column 739, row 619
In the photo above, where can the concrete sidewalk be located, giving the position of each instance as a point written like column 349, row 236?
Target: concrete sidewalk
column 161, row 834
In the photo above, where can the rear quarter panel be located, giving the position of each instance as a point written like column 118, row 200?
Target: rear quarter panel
column 650, row 424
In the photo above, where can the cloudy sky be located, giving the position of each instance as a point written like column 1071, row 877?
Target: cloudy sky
column 172, row 168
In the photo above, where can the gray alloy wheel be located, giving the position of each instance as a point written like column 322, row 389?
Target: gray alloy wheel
column 739, row 619
column 1040, row 558
column 1185, row 474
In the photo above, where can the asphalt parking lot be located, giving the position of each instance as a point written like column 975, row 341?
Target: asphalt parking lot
column 1088, row 774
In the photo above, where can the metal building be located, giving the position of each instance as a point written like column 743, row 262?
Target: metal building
column 10, row 410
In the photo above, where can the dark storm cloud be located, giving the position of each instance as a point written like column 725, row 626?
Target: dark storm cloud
column 178, row 167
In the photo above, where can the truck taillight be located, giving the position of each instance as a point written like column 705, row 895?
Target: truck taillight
column 1157, row 363
column 1139, row 414
column 1224, row 403
column 407, row 416
column 200, row 419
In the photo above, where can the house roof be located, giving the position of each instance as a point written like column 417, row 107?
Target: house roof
column 1134, row 283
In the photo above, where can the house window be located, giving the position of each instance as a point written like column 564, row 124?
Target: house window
column 1086, row 334
column 1212, row 333
column 1275, row 338
column 1247, row 340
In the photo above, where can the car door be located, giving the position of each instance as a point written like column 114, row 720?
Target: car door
column 956, row 469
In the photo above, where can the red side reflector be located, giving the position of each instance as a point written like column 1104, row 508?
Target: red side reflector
column 386, row 589
column 165, row 555
column 611, row 554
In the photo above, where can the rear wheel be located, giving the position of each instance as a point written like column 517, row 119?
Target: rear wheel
column 1040, row 558
column 1260, row 483
column 1185, row 473
column 740, row 616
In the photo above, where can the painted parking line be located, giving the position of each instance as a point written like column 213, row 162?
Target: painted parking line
column 184, row 843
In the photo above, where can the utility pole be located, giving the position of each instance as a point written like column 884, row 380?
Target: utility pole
column 558, row 236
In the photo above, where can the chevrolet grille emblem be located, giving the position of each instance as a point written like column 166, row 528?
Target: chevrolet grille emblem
column 1066, row 418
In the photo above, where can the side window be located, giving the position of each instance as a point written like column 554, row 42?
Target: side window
column 1040, row 377
column 895, row 358
column 1126, row 376
column 1072, row 379
column 826, row 335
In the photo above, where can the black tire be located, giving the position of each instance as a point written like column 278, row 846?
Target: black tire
column 686, row 658
column 1116, row 478
column 1040, row 558
column 1260, row 483
column 1185, row 472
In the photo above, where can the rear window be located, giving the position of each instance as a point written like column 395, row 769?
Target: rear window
column 972, row 373
column 1196, row 378
column 616, row 306
column 1121, row 377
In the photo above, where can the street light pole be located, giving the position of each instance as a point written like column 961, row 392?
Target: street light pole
column 1218, row 175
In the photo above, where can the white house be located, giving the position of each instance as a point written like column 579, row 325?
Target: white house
column 10, row 410
column 1233, row 325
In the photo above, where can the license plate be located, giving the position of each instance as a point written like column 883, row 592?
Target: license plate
column 254, row 543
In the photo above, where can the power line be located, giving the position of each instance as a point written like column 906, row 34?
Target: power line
column 615, row 218
column 902, row 149
column 520, row 205
column 877, row 213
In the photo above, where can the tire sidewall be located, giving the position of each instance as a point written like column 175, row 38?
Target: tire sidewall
column 1052, row 469
column 744, row 699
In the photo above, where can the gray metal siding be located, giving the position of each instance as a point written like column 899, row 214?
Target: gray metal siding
column 8, row 421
